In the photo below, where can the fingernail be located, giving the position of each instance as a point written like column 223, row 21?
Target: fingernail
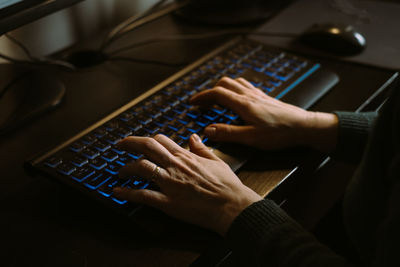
column 210, row 131
column 197, row 138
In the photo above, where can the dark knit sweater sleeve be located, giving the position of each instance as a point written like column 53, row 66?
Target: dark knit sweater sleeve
column 264, row 235
column 354, row 130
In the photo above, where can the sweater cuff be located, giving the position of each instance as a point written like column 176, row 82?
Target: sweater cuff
column 354, row 130
column 256, row 221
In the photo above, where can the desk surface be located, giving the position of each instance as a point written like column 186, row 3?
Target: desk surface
column 46, row 224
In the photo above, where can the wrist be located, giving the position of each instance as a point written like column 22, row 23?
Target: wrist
column 233, row 208
column 321, row 131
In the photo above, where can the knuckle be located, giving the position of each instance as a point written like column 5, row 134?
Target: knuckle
column 240, row 79
column 159, row 137
column 225, row 80
column 218, row 89
column 149, row 143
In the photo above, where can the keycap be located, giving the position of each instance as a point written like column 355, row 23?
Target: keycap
column 79, row 161
column 111, row 138
column 77, row 146
column 101, row 146
column 113, row 168
column 110, row 156
column 82, row 174
column 89, row 139
column 98, row 163
column 66, row 168
column 90, row 153
column 95, row 181
column 53, row 162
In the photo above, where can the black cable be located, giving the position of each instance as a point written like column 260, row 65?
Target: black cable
column 200, row 37
column 9, row 85
column 119, row 32
column 20, row 45
column 34, row 60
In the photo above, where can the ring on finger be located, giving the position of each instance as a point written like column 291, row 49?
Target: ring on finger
column 155, row 173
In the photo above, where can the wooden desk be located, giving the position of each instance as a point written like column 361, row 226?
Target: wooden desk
column 46, row 224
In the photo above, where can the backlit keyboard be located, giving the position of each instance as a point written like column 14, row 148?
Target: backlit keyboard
column 90, row 161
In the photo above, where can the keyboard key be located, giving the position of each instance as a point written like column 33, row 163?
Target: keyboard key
column 175, row 125
column 111, row 139
column 77, row 146
column 203, row 122
column 134, row 125
column 100, row 132
column 95, row 181
column 193, row 127
column 123, row 160
column 79, row 161
column 138, row 183
column 123, row 132
column 53, row 162
column 211, row 115
column 90, row 153
column 231, row 115
column 112, row 125
column 82, row 174
column 113, row 168
column 106, row 189
column 184, row 133
column 119, row 152
column 218, row 109
column 98, row 163
column 101, row 146
column 110, row 156
column 119, row 201
column 66, row 168
column 143, row 119
column 126, row 116
column 89, row 139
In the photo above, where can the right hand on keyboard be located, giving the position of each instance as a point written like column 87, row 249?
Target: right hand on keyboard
column 270, row 124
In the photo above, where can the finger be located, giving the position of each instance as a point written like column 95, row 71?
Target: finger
column 231, row 84
column 197, row 147
column 142, row 196
column 245, row 83
column 145, row 169
column 220, row 96
column 231, row 133
column 170, row 145
column 152, row 149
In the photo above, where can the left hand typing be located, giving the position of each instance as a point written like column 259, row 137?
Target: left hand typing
column 195, row 186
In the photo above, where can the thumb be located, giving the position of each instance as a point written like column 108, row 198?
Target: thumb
column 230, row 133
column 142, row 196
column 200, row 149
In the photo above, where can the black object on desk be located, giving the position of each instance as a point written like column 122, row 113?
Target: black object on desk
column 90, row 161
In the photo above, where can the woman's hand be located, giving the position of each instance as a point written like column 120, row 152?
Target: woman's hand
column 195, row 186
column 269, row 123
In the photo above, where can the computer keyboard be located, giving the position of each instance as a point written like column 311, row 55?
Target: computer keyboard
column 90, row 161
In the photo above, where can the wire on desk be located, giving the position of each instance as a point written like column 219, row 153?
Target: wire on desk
column 121, row 29
column 199, row 37
column 20, row 45
column 34, row 60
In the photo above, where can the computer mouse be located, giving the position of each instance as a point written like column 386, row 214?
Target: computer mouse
column 339, row 39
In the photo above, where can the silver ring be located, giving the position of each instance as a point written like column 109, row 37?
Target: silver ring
column 156, row 172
